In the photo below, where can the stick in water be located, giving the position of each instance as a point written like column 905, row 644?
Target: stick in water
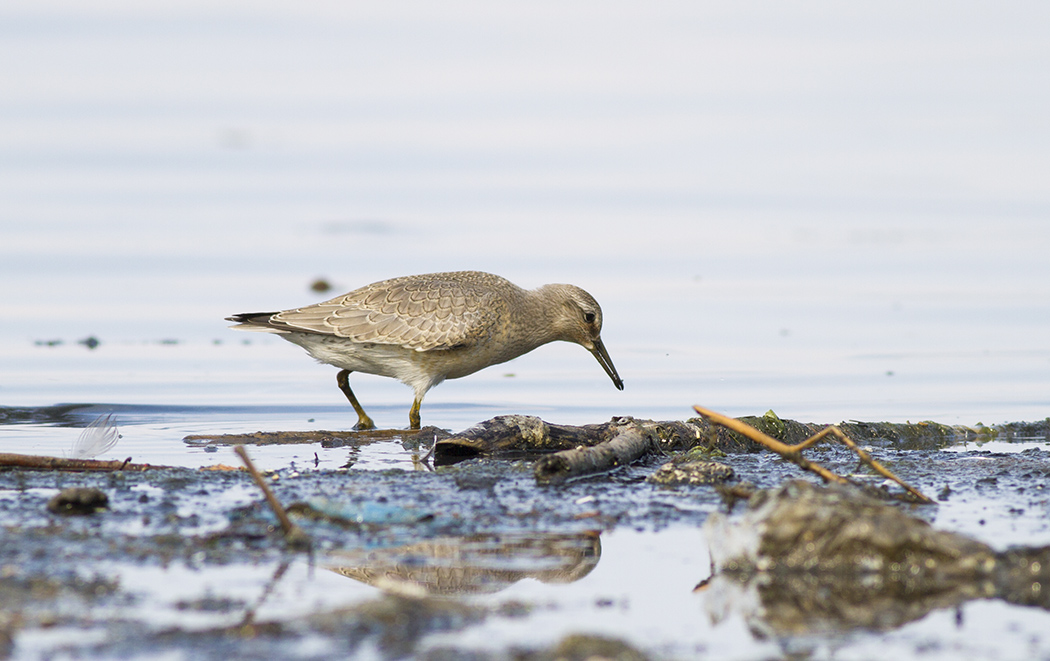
column 293, row 533
column 793, row 453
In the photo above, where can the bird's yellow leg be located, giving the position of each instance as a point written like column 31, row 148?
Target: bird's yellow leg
column 363, row 421
column 413, row 415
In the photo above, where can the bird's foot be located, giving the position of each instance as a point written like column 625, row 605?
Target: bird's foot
column 364, row 423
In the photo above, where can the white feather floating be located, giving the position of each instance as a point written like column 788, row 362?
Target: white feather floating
column 97, row 438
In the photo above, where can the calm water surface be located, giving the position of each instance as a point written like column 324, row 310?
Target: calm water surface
column 836, row 214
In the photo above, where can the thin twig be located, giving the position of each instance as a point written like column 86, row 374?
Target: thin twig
column 39, row 462
column 793, row 453
column 786, row 451
column 293, row 533
column 876, row 466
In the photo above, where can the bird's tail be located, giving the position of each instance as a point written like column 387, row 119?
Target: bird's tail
column 254, row 321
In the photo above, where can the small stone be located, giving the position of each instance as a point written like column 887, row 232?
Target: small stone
column 692, row 472
column 78, row 501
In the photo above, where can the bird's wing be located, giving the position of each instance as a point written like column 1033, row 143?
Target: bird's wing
column 418, row 314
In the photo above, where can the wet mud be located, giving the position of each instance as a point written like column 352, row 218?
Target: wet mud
column 431, row 539
column 831, row 558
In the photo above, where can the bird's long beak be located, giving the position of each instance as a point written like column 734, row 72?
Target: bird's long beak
column 603, row 357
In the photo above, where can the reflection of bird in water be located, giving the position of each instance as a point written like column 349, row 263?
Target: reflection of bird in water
column 475, row 564
column 423, row 329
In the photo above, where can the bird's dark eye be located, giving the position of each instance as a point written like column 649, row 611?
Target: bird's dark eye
column 588, row 317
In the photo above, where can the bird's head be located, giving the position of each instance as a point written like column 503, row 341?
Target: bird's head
column 580, row 321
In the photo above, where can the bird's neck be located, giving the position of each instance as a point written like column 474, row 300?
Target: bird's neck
column 546, row 305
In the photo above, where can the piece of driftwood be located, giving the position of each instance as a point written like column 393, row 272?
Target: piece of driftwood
column 327, row 439
column 627, row 446
column 38, row 462
column 793, row 453
column 510, row 436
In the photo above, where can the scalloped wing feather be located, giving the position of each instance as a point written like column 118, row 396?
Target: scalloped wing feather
column 418, row 314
